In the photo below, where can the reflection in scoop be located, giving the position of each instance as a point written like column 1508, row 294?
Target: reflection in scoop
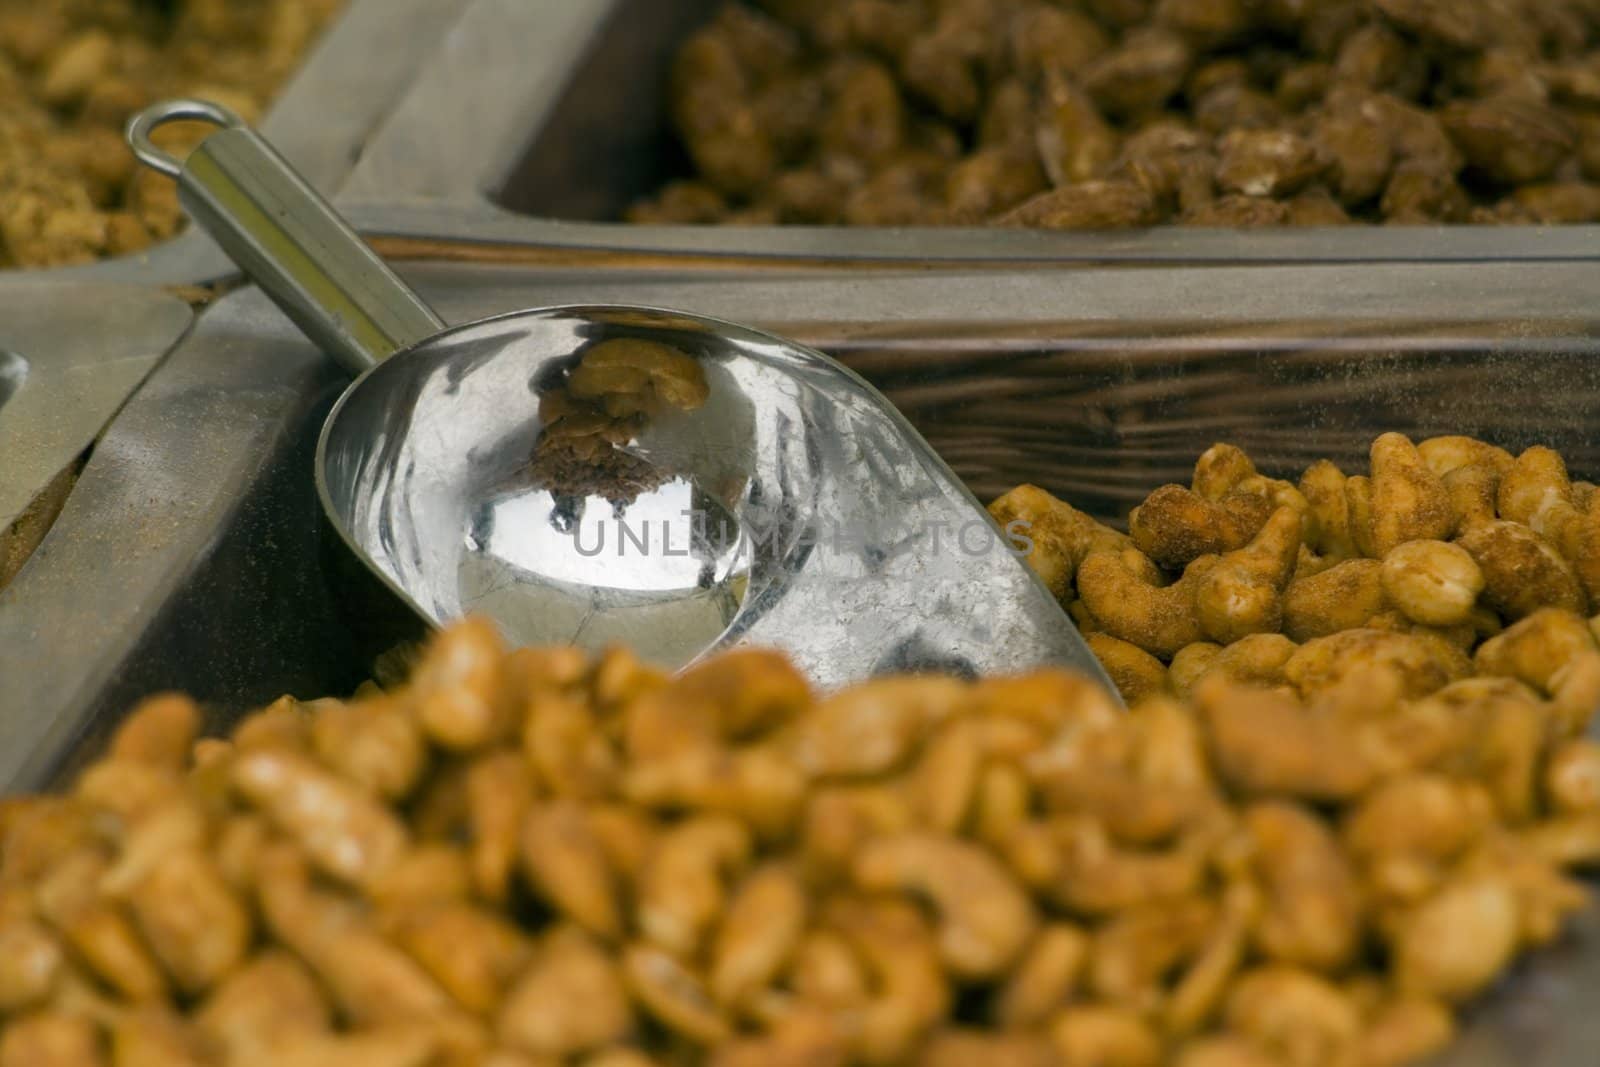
column 665, row 572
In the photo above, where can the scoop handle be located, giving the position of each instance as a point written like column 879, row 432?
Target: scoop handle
column 286, row 237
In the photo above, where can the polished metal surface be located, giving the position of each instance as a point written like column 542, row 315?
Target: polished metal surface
column 799, row 510
column 843, row 539
column 568, row 126
column 70, row 356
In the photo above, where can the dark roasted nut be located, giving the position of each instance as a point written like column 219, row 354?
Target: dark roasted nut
column 1375, row 57
column 1140, row 76
column 1094, row 205
column 1362, row 154
column 1073, row 141
column 1418, row 192
column 1267, row 163
column 1510, row 140
column 1561, row 202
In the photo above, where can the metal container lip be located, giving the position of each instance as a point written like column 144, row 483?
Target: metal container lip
column 515, row 66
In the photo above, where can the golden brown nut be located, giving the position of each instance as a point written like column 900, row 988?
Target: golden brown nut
column 1522, row 571
column 1422, row 665
column 50, row 1039
column 1409, row 502
column 1044, row 978
column 1405, row 1031
column 985, row 918
column 1059, row 536
column 1094, row 1035
column 160, row 731
column 1265, row 744
column 1433, row 582
column 680, row 891
column 1311, row 912
column 1510, row 140
column 271, row 999
column 1297, row 1014
column 1343, row 597
column 566, row 862
column 571, row 1000
column 347, row 832
column 1175, row 526
column 1242, row 594
column 758, row 934
column 1536, row 649
column 1455, row 943
column 1120, row 591
column 1136, row 673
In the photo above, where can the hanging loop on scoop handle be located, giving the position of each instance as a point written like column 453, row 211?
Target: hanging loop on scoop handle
column 286, row 237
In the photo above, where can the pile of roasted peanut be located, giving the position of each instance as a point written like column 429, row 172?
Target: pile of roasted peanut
column 537, row 857
column 72, row 71
column 1072, row 114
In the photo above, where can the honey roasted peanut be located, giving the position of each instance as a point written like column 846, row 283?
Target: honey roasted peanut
column 1305, row 848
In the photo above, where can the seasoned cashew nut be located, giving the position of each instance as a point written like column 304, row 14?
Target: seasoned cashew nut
column 1433, row 582
column 1190, row 664
column 1176, row 526
column 1423, row 666
column 1472, row 492
column 1446, row 454
column 1343, row 597
column 985, row 918
column 1358, row 501
column 942, row 785
column 1586, row 550
column 372, row 742
column 1537, row 492
column 1121, row 593
column 96, row 929
column 1242, row 594
column 760, row 932
column 1522, row 572
column 1322, row 486
column 1409, row 501
column 564, row 743
column 571, row 1000
column 342, row 827
column 1136, row 673
column 1200, row 991
column 1060, row 535
column 1535, row 649
column 680, row 891
column 1074, row 861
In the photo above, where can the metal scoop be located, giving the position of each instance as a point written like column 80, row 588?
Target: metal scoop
column 603, row 474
